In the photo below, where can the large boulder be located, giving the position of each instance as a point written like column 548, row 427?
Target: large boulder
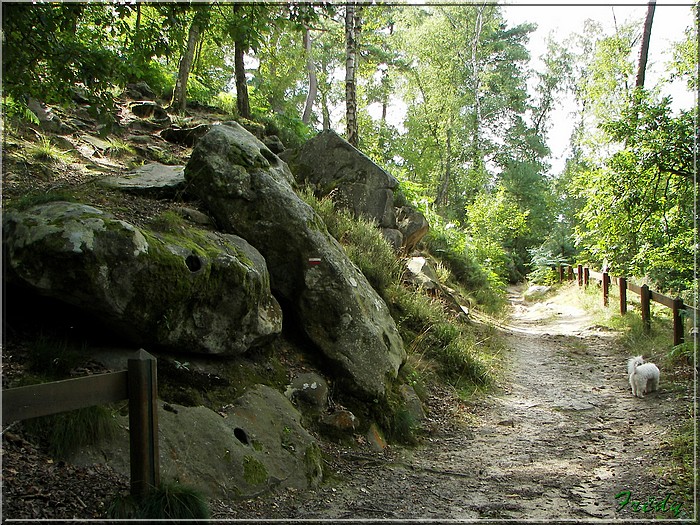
column 259, row 445
column 329, row 163
column 188, row 289
column 413, row 226
column 248, row 190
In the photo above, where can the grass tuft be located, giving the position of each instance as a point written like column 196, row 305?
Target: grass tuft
column 169, row 501
column 45, row 151
column 65, row 433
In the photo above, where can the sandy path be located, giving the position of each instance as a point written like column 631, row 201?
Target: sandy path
column 559, row 442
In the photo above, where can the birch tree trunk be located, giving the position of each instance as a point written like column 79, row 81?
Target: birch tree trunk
column 313, row 82
column 352, row 30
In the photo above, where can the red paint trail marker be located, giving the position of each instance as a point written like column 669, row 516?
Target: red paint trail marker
column 314, row 261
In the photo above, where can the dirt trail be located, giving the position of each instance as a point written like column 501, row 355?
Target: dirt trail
column 559, row 442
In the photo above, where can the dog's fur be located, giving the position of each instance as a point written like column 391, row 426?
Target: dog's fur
column 644, row 377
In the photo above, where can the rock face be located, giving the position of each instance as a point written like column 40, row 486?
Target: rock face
column 190, row 289
column 329, row 163
column 413, row 227
column 258, row 446
column 248, row 190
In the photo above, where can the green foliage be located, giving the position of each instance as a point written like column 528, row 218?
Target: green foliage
column 47, row 51
column 169, row 501
column 290, row 129
column 495, row 222
column 62, row 434
column 226, row 102
column 13, row 109
column 685, row 58
column 637, row 204
column 543, row 262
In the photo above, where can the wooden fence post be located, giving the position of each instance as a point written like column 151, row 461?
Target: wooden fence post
column 561, row 274
column 569, row 272
column 580, row 274
column 677, row 321
column 143, row 424
column 586, row 276
column 646, row 307
column 622, row 281
column 606, row 288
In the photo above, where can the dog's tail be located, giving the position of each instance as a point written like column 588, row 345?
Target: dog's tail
column 633, row 363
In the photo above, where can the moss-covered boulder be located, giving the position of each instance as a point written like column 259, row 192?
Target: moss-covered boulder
column 189, row 290
column 259, row 445
column 248, row 190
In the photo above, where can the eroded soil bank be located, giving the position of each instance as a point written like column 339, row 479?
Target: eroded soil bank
column 562, row 439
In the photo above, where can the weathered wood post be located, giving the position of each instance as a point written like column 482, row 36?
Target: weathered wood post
column 622, row 281
column 677, row 321
column 580, row 274
column 561, row 274
column 606, row 288
column 586, row 276
column 646, row 307
column 143, row 423
column 569, row 272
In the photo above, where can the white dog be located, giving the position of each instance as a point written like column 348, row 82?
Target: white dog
column 644, row 377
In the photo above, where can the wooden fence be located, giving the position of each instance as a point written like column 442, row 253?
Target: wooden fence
column 584, row 275
column 138, row 384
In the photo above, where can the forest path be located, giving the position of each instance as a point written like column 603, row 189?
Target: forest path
column 559, row 441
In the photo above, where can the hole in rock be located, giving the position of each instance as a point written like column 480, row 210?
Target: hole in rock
column 240, row 435
column 194, row 263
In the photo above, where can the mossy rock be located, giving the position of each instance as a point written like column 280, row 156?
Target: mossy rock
column 182, row 287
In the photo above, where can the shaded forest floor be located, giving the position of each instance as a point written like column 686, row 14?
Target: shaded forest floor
column 562, row 439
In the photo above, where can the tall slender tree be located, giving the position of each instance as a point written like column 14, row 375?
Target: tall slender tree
column 644, row 51
column 353, row 25
column 194, row 35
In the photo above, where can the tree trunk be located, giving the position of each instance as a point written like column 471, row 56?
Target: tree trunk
column 179, row 101
column 352, row 30
column 646, row 36
column 242, row 101
column 313, row 82
column 239, row 50
column 477, row 159
column 326, row 112
column 442, row 199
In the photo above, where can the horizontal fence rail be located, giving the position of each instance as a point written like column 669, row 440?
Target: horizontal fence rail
column 678, row 309
column 138, row 384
